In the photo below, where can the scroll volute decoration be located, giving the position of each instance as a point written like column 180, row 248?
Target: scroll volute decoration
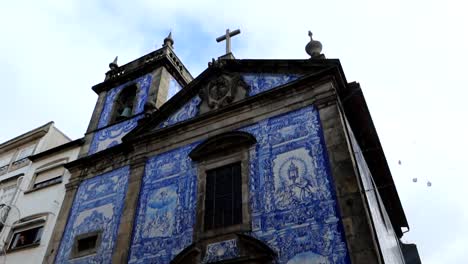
column 221, row 91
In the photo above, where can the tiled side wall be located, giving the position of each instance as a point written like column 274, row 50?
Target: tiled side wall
column 293, row 203
column 97, row 206
column 166, row 213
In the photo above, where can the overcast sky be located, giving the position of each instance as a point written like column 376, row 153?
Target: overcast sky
column 409, row 56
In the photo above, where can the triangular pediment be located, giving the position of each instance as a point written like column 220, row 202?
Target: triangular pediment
column 227, row 82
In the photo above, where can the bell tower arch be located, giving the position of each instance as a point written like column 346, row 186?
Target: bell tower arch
column 132, row 91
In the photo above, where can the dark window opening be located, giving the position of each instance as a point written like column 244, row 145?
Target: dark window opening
column 27, row 237
column 123, row 104
column 87, row 243
column 223, row 200
column 51, row 181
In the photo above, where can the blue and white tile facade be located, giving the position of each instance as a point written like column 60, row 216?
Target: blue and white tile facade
column 293, row 204
column 223, row 250
column 261, row 82
column 97, row 207
column 166, row 212
column 258, row 83
column 187, row 111
column 292, row 200
column 111, row 136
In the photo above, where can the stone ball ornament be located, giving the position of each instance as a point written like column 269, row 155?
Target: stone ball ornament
column 314, row 47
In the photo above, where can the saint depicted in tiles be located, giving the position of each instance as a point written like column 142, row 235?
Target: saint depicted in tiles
column 160, row 214
column 293, row 179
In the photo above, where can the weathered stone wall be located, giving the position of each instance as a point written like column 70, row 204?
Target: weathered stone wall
column 388, row 241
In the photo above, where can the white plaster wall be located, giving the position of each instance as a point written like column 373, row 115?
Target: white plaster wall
column 53, row 138
column 46, row 200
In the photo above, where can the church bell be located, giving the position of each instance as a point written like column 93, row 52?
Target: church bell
column 127, row 112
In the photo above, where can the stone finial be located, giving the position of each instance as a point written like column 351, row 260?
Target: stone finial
column 113, row 65
column 314, row 47
column 168, row 41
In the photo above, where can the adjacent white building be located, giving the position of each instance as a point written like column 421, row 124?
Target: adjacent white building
column 32, row 179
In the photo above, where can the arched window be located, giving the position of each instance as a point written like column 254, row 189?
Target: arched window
column 124, row 104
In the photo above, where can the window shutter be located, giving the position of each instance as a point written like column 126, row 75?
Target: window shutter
column 49, row 177
column 49, row 174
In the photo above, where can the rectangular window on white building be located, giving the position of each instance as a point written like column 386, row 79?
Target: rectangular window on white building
column 7, row 192
column 26, row 236
column 5, row 162
column 25, row 152
column 48, row 177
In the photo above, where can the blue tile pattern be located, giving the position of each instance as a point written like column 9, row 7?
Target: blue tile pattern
column 187, row 111
column 292, row 199
column 112, row 136
column 293, row 204
column 144, row 83
column 261, row 82
column 223, row 250
column 174, row 87
column 258, row 82
column 166, row 211
column 97, row 206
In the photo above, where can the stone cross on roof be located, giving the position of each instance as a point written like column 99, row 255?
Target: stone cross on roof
column 227, row 37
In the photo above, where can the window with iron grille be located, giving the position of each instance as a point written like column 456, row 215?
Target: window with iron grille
column 223, row 199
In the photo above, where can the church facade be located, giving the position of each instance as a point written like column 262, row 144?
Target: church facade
column 253, row 161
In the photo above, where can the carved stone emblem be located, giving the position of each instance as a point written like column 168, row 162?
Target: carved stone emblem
column 218, row 89
column 221, row 91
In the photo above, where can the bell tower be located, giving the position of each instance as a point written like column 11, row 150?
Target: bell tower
column 131, row 91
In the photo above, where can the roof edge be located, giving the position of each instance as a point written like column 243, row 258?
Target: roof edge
column 30, row 135
column 77, row 142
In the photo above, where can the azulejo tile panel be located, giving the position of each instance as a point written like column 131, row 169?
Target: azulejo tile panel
column 261, row 82
column 97, row 207
column 112, row 136
column 143, row 83
column 187, row 111
column 292, row 198
column 223, row 250
column 166, row 212
column 258, row 83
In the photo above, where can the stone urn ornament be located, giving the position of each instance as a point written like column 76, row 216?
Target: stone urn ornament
column 314, row 47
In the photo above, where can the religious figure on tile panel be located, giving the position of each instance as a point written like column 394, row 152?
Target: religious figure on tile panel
column 160, row 213
column 294, row 179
